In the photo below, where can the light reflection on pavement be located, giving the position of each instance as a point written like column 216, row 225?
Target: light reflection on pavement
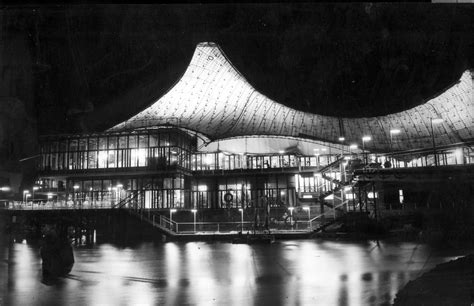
column 298, row 272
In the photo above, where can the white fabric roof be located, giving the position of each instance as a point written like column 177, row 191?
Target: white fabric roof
column 213, row 98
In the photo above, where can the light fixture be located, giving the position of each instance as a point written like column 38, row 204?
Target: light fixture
column 342, row 138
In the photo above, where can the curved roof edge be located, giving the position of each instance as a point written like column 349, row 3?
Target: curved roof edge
column 212, row 97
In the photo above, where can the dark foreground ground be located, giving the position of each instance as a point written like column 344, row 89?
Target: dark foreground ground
column 450, row 283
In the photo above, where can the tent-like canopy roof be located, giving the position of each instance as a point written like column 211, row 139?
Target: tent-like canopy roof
column 214, row 99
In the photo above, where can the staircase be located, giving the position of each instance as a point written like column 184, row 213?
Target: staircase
column 130, row 204
column 169, row 227
column 327, row 218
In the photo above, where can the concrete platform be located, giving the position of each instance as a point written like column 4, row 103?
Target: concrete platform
column 229, row 236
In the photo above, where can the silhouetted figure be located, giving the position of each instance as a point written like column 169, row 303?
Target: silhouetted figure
column 56, row 254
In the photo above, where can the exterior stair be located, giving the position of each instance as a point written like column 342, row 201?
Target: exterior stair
column 129, row 203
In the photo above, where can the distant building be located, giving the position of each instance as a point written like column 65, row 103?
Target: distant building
column 213, row 141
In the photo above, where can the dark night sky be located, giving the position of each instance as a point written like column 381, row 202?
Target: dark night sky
column 92, row 64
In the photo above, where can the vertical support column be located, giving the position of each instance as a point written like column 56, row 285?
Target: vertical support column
column 366, row 196
column 375, row 201
column 360, row 199
column 321, row 201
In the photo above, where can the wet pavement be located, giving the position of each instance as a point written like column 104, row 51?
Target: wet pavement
column 291, row 272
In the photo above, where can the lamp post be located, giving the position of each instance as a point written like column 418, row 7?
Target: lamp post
column 109, row 195
column 171, row 214
column 341, row 139
column 115, row 194
column 119, row 193
column 435, row 121
column 352, row 147
column 50, row 197
column 291, row 216
column 364, row 139
column 308, row 209
column 241, row 220
column 75, row 187
column 393, row 132
column 5, row 189
column 34, row 189
column 24, row 195
column 194, row 212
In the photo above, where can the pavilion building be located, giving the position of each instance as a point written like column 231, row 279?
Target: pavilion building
column 213, row 141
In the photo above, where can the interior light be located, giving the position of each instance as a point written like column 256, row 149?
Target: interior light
column 208, row 160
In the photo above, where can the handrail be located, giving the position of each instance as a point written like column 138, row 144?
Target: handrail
column 325, row 168
column 126, row 200
column 131, row 197
column 321, row 215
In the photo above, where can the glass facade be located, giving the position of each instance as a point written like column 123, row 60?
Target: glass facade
column 152, row 148
column 161, row 169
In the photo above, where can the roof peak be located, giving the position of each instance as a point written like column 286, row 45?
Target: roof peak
column 207, row 44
